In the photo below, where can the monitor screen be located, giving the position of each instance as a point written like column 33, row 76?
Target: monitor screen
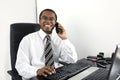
column 115, row 66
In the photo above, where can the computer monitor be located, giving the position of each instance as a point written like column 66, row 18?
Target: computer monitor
column 115, row 66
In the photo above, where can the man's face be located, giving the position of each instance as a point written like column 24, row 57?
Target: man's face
column 47, row 21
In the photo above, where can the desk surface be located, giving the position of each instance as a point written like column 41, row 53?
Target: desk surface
column 83, row 74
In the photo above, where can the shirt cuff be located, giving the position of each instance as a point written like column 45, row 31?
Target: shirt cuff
column 67, row 42
column 34, row 71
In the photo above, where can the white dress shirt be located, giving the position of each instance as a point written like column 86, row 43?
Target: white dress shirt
column 30, row 56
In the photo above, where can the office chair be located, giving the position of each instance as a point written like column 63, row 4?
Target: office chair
column 17, row 32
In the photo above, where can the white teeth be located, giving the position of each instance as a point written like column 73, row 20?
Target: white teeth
column 47, row 25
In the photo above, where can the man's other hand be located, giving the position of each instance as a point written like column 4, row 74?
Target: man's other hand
column 45, row 71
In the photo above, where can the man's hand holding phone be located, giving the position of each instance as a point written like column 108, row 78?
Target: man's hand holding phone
column 60, row 31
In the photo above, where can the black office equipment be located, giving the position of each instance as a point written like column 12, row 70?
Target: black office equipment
column 113, row 73
column 69, row 70
column 100, row 60
column 17, row 32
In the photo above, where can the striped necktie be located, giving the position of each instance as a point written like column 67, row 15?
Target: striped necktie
column 49, row 61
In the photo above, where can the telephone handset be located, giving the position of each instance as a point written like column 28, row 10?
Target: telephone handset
column 58, row 30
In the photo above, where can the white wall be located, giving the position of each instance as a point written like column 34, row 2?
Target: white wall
column 92, row 25
column 12, row 11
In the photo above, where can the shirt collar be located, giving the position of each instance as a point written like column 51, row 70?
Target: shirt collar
column 43, row 34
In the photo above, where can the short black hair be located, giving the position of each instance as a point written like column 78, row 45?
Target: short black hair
column 50, row 11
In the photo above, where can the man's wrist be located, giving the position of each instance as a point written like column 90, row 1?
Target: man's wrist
column 37, row 72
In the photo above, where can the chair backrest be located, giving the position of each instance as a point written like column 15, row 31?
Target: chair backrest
column 17, row 32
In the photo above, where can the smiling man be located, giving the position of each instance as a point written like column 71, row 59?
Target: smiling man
column 39, row 53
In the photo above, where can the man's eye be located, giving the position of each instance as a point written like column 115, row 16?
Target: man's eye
column 52, row 19
column 44, row 18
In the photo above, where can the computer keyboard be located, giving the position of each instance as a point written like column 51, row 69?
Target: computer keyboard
column 67, row 71
column 100, row 74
